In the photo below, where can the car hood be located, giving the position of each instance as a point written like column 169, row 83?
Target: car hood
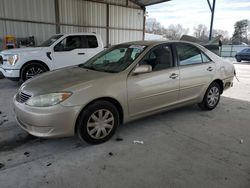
column 21, row 50
column 67, row 79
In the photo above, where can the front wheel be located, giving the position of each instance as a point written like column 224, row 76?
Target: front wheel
column 31, row 70
column 211, row 97
column 98, row 122
column 238, row 59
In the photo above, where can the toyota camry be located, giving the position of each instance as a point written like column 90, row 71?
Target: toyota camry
column 123, row 83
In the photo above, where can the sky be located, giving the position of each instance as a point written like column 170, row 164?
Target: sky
column 190, row 13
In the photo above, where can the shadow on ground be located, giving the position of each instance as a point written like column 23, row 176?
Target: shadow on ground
column 229, row 114
column 184, row 148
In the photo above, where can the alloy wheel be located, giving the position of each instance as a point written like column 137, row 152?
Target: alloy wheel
column 33, row 71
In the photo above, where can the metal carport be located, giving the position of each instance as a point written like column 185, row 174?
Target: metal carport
column 116, row 21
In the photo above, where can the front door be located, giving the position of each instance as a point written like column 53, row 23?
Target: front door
column 157, row 89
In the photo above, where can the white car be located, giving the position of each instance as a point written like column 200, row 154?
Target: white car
column 59, row 51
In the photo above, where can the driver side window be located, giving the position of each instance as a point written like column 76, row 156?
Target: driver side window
column 68, row 44
column 159, row 58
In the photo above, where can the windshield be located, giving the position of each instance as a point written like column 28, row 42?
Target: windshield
column 50, row 41
column 115, row 59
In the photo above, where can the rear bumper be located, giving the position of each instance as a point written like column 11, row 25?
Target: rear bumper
column 227, row 83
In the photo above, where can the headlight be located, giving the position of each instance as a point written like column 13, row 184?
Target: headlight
column 48, row 99
column 12, row 59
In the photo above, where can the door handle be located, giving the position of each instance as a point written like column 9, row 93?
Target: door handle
column 210, row 69
column 173, row 76
column 81, row 53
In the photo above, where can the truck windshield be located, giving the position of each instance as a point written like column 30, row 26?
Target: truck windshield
column 50, row 41
column 115, row 59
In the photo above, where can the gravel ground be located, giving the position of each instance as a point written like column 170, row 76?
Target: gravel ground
column 181, row 148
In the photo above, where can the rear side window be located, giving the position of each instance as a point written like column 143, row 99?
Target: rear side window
column 90, row 41
column 205, row 59
column 188, row 54
column 244, row 50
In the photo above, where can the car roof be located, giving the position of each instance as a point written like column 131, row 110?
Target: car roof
column 153, row 43
column 243, row 50
column 79, row 33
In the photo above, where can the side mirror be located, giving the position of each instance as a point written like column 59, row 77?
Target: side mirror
column 142, row 69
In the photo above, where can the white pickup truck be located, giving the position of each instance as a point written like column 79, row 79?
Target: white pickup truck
column 59, row 51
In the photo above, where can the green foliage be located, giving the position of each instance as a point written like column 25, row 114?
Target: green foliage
column 241, row 31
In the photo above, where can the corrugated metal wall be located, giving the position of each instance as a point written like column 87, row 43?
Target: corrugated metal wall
column 38, row 18
column 31, row 10
column 82, row 13
column 35, row 10
column 122, row 17
column 131, row 22
column 122, row 2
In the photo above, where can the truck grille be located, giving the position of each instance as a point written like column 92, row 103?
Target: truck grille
column 1, row 60
column 23, row 97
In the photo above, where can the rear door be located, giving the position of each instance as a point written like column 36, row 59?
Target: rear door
column 74, row 50
column 157, row 89
column 196, row 71
column 90, row 47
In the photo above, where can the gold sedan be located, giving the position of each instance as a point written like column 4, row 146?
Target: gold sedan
column 121, row 84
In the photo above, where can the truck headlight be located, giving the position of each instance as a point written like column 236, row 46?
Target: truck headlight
column 12, row 59
column 47, row 100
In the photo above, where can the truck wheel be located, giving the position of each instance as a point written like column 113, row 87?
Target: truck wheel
column 31, row 70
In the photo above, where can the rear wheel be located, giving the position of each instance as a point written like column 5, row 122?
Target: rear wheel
column 211, row 97
column 32, row 69
column 98, row 122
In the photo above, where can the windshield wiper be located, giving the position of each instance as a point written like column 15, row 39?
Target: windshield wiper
column 96, row 69
column 87, row 67
column 109, row 71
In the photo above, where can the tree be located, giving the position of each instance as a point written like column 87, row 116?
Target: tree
column 225, row 36
column 217, row 32
column 201, row 32
column 153, row 26
column 241, row 31
column 175, row 32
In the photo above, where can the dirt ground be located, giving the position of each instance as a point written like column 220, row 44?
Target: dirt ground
column 182, row 148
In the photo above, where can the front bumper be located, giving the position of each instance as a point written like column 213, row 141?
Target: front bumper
column 10, row 73
column 46, row 122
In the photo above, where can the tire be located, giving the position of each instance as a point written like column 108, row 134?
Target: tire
column 90, row 127
column 211, row 97
column 238, row 59
column 32, row 69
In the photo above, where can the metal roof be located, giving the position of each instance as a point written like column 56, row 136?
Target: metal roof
column 148, row 2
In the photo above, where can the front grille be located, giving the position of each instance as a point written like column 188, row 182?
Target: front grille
column 23, row 97
column 1, row 60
